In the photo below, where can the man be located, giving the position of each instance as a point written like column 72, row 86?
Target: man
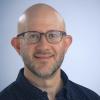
column 42, row 42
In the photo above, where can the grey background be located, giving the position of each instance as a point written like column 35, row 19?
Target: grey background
column 81, row 63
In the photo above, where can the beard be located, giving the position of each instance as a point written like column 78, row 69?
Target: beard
column 35, row 66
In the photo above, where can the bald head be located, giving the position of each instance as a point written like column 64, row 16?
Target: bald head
column 40, row 17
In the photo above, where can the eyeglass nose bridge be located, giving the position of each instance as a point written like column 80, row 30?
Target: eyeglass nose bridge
column 41, row 36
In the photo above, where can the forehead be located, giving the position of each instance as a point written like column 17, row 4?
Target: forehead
column 40, row 19
column 44, row 23
column 41, row 24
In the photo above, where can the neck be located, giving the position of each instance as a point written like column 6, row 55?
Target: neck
column 51, row 85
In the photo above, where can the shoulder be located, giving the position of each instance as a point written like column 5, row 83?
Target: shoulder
column 82, row 92
column 9, row 93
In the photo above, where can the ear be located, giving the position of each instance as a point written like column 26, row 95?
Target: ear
column 16, row 44
column 67, row 42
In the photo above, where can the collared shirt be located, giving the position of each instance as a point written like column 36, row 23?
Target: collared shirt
column 21, row 89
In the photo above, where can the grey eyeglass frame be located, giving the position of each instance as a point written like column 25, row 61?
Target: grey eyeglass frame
column 62, row 33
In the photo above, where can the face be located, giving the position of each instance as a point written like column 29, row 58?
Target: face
column 43, row 59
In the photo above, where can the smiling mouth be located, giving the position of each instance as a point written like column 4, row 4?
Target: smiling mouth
column 43, row 56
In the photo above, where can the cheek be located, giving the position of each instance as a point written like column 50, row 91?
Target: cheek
column 60, row 47
column 26, row 50
column 60, row 50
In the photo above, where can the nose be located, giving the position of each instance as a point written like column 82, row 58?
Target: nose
column 43, row 43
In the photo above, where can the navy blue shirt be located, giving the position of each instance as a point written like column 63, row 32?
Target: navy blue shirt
column 21, row 89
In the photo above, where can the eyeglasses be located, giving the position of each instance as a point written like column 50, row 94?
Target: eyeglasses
column 52, row 36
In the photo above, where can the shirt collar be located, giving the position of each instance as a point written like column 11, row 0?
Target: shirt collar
column 29, row 88
column 25, row 85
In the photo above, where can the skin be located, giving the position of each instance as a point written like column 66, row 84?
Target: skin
column 42, row 60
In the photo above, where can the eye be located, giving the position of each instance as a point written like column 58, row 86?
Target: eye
column 33, row 36
column 52, row 35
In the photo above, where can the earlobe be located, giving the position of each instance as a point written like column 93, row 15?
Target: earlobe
column 16, row 44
